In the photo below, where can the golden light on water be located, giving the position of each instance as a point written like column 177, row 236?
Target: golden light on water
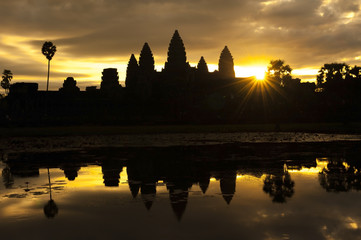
column 351, row 223
column 307, row 171
column 91, row 177
column 321, row 163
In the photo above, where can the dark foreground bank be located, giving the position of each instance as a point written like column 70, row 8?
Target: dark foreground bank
column 88, row 130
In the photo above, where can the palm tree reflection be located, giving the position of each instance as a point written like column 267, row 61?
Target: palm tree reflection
column 27, row 187
column 50, row 209
column 8, row 178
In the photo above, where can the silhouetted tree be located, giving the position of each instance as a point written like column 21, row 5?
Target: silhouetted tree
column 355, row 72
column 340, row 177
column 225, row 64
column 341, row 88
column 279, row 72
column 332, row 74
column 48, row 50
column 6, row 79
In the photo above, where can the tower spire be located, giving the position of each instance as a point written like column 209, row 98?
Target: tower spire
column 225, row 64
column 132, row 71
column 177, row 59
column 146, row 60
column 202, row 66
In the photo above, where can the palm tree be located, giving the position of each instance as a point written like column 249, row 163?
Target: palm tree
column 48, row 50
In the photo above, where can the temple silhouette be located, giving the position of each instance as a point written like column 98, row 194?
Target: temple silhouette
column 180, row 93
column 177, row 93
column 147, row 95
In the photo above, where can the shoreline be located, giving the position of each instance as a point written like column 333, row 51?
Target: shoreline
column 110, row 130
column 70, row 143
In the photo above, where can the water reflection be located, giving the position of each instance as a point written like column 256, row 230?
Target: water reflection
column 70, row 171
column 8, row 178
column 340, row 175
column 50, row 209
column 111, row 172
column 178, row 177
column 279, row 186
column 227, row 182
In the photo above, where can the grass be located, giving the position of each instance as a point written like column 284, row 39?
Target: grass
column 351, row 128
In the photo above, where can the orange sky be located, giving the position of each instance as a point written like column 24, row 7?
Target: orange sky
column 92, row 35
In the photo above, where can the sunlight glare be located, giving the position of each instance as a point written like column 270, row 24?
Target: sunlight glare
column 260, row 76
column 258, row 72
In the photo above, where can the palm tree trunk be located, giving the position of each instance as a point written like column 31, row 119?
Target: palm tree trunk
column 49, row 184
column 47, row 82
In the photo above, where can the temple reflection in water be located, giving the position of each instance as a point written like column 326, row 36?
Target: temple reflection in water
column 178, row 170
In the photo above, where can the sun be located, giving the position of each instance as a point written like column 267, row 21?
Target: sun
column 259, row 72
column 260, row 76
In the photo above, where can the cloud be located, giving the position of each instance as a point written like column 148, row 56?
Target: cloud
column 306, row 33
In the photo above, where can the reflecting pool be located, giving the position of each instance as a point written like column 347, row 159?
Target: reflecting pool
column 221, row 191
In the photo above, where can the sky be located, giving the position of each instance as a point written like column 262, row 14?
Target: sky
column 91, row 35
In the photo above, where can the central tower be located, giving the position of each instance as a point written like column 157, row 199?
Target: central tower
column 177, row 59
column 225, row 64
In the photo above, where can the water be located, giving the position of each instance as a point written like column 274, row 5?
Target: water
column 222, row 191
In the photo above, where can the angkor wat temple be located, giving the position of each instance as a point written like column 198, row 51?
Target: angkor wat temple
column 178, row 93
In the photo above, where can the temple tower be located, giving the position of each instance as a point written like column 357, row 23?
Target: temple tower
column 178, row 195
column 177, row 59
column 110, row 80
column 148, row 192
column 146, row 60
column 132, row 73
column 202, row 67
column 69, row 86
column 228, row 185
column 225, row 64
